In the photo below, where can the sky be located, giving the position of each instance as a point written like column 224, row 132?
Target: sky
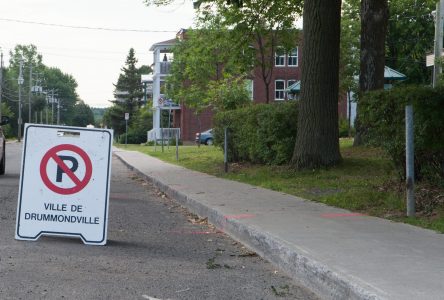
column 93, row 57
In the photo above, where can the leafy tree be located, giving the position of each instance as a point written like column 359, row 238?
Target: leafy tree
column 410, row 36
column 114, row 118
column 6, row 111
column 261, row 28
column 205, row 59
column 350, row 43
column 98, row 115
column 65, row 88
column 229, row 93
column 83, row 115
column 54, row 78
column 317, row 141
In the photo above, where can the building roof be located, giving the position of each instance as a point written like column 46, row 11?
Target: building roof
column 167, row 43
column 389, row 73
column 295, row 87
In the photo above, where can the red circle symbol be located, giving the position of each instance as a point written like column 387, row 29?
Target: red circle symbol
column 79, row 184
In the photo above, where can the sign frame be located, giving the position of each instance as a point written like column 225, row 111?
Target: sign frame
column 73, row 233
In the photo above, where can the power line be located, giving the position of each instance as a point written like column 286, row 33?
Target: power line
column 84, row 27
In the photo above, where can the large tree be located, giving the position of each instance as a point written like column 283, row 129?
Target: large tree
column 129, row 95
column 374, row 17
column 64, row 86
column 83, row 115
column 129, row 83
column 49, row 78
column 317, row 141
column 205, row 61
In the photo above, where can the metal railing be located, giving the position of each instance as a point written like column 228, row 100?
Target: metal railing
column 165, row 134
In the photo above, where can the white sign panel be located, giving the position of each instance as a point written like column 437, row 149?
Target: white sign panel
column 126, row 116
column 64, row 183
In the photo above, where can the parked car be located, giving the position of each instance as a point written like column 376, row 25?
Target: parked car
column 3, row 121
column 206, row 137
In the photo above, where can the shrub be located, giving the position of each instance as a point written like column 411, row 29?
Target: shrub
column 261, row 133
column 382, row 113
column 343, row 128
column 134, row 137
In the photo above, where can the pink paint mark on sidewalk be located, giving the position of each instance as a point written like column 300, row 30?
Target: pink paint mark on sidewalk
column 192, row 232
column 342, row 215
column 238, row 217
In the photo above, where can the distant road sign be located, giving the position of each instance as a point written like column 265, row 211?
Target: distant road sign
column 71, row 195
column 126, row 116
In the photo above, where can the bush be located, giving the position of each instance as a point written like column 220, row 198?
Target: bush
column 382, row 113
column 261, row 133
column 134, row 137
column 343, row 128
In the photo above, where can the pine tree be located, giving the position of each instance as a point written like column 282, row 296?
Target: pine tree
column 129, row 87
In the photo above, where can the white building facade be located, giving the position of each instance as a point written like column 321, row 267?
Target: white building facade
column 162, row 58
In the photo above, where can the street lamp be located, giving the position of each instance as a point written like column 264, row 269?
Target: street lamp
column 20, row 82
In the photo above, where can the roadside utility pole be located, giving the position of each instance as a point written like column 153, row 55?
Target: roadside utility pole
column 439, row 15
column 20, row 81
column 52, row 107
column 58, row 111
column 30, row 93
column 1, row 82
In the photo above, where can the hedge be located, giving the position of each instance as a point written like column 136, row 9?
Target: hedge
column 382, row 113
column 260, row 133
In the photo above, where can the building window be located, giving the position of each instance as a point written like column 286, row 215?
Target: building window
column 293, row 57
column 279, row 90
column 279, row 57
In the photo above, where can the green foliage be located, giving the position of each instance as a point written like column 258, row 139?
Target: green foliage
column 129, row 83
column 350, row 44
column 129, row 102
column 259, row 29
column 383, row 114
column 229, row 93
column 259, row 133
column 208, row 66
column 6, row 111
column 114, row 118
column 65, row 86
column 83, row 115
column 344, row 128
column 49, row 78
column 141, row 124
column 410, row 36
column 98, row 115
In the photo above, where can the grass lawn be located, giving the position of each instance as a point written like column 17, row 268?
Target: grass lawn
column 364, row 182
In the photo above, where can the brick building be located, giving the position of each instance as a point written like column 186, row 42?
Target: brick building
column 285, row 72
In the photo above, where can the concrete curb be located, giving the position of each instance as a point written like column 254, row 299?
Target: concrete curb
column 317, row 277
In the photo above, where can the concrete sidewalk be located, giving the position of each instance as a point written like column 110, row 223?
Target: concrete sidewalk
column 335, row 253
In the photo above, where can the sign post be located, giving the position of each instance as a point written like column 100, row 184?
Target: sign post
column 126, row 128
column 64, row 183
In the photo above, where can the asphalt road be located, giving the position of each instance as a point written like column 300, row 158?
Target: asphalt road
column 155, row 250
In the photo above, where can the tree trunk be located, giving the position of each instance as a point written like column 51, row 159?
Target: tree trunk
column 374, row 19
column 317, row 142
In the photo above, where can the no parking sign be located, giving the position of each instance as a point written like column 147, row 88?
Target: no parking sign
column 64, row 183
